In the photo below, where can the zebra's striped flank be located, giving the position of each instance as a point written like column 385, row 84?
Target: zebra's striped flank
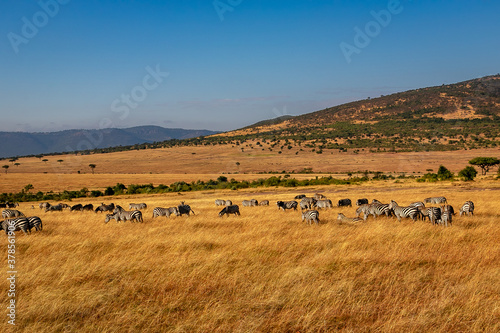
column 311, row 216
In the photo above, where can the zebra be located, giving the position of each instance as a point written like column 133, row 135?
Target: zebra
column 12, row 225
column 341, row 217
column 447, row 208
column 324, row 203
column 264, row 203
column 158, row 211
column 137, row 206
column 434, row 214
column 417, row 204
column 220, row 202
column 125, row 215
column 435, row 200
column 467, row 207
column 307, row 203
column 311, row 216
column 10, row 213
column 184, row 209
column 105, row 208
column 423, row 212
column 403, row 211
column 249, row 203
column 287, row 205
column 233, row 209
column 319, row 196
column 446, row 217
column 366, row 209
column 35, row 222
column 112, row 216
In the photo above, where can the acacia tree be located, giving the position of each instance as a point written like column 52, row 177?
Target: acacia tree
column 5, row 167
column 485, row 163
column 92, row 167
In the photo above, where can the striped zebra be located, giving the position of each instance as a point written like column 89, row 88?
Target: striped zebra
column 307, row 203
column 35, row 222
column 435, row 200
column 366, row 209
column 375, row 209
column 11, row 213
column 137, row 206
column 220, row 202
column 342, row 218
column 417, row 204
column 12, row 225
column 447, row 208
column 249, row 203
column 109, row 217
column 287, row 205
column 467, row 207
column 446, row 217
column 319, row 196
column 323, row 203
column 434, row 214
column 400, row 212
column 423, row 213
column 311, row 216
column 125, row 215
column 158, row 211
column 264, row 203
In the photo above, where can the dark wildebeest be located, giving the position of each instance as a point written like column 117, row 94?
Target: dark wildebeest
column 76, row 207
column 344, row 202
column 184, row 209
column 105, row 208
column 360, row 202
column 233, row 209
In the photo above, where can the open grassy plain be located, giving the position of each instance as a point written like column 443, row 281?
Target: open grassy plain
column 264, row 271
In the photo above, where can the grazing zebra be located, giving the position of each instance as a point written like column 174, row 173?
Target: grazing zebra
column 307, row 203
column 324, row 203
column 137, row 206
column 184, row 209
column 158, row 211
column 400, row 212
column 423, row 212
column 249, row 203
column 287, row 205
column 112, row 216
column 344, row 202
column 105, row 208
column 10, row 213
column 76, row 207
column 35, row 222
column 446, row 217
column 220, row 202
column 319, row 196
column 89, row 207
column 434, row 214
column 264, row 203
column 128, row 215
column 366, row 209
column 435, row 200
column 54, row 208
column 360, row 202
column 447, row 208
column 341, row 217
column 417, row 204
column 467, row 207
column 311, row 216
column 233, row 209
column 12, row 225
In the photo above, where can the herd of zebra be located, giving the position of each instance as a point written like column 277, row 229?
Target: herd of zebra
column 441, row 215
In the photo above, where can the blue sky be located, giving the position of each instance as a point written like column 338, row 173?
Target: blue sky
column 225, row 64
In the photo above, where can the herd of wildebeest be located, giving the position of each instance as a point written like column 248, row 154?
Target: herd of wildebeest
column 15, row 220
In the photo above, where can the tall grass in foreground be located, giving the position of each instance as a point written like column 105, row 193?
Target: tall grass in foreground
column 265, row 271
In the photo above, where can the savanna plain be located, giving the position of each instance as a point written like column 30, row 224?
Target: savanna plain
column 263, row 271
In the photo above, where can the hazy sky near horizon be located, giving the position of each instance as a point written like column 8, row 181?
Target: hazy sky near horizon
column 225, row 64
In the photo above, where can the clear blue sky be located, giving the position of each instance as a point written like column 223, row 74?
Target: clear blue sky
column 230, row 63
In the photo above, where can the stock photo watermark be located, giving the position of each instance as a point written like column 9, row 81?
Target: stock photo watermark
column 221, row 7
column 11, row 272
column 31, row 26
column 363, row 37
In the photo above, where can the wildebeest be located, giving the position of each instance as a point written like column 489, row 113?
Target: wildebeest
column 184, row 209
column 325, row 203
column 43, row 205
column 300, row 196
column 233, row 209
column 360, row 202
column 344, row 202
column 54, row 208
column 287, row 205
column 89, row 207
column 264, row 203
column 76, row 207
column 105, row 208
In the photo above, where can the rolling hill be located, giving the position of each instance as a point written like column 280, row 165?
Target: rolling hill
column 23, row 143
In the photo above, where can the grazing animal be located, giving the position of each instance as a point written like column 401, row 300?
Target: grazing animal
column 311, row 216
column 11, row 204
column 184, row 209
column 366, row 209
column 44, row 205
column 105, row 208
column 447, row 208
column 287, row 205
column 19, row 223
column 54, row 208
column 264, row 203
column 319, row 196
column 307, row 203
column 137, row 206
column 11, row 213
column 360, row 202
column 344, row 202
column 467, row 208
column 35, row 222
column 341, row 217
column 446, row 217
column 324, row 203
column 76, row 207
column 233, row 209
column 417, row 204
column 423, row 212
column 89, row 207
column 400, row 212
column 434, row 214
column 158, row 211
column 250, row 203
column 300, row 196
column 133, row 215
column 435, row 200
column 220, row 202
column 112, row 216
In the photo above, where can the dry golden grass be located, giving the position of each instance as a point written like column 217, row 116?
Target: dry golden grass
column 264, row 271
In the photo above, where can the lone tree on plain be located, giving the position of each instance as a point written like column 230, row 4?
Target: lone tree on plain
column 485, row 163
column 5, row 167
column 60, row 161
column 468, row 173
column 92, row 167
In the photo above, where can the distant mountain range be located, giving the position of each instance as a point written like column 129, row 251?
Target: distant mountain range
column 24, row 143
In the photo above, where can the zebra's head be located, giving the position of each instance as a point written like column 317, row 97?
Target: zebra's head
column 393, row 204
